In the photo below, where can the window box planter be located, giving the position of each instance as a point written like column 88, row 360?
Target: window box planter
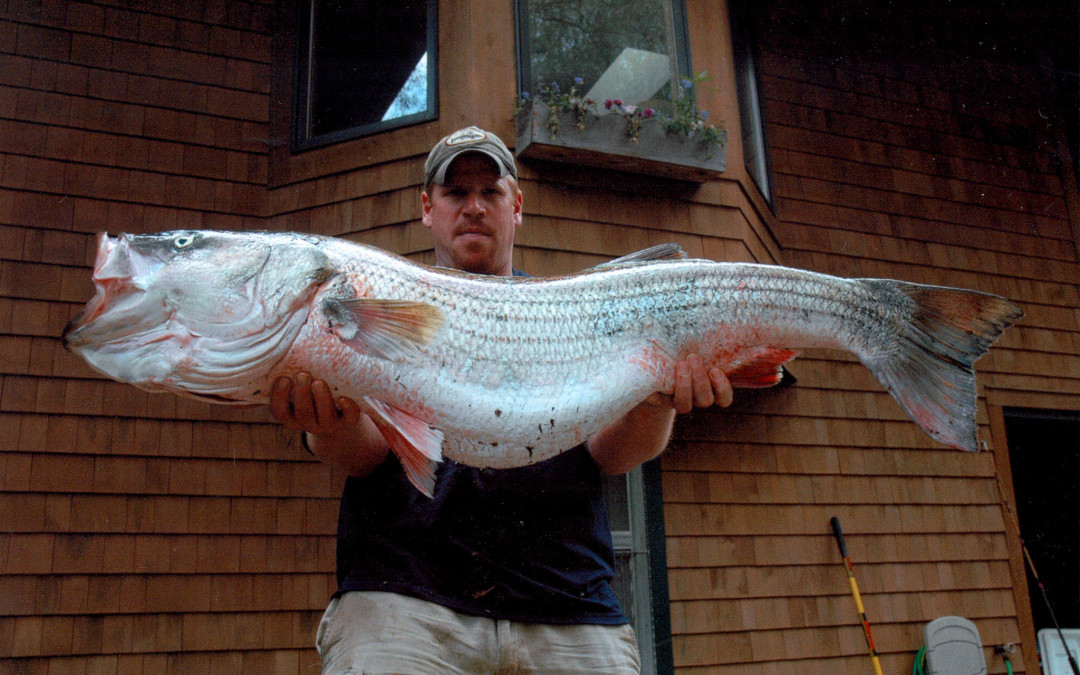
column 606, row 143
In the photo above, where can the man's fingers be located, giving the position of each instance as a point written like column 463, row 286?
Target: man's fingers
column 281, row 402
column 700, row 383
column 721, row 387
column 326, row 411
column 683, row 395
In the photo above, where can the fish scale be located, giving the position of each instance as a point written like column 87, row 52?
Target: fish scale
column 503, row 372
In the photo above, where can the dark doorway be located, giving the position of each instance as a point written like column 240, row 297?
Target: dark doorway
column 1044, row 452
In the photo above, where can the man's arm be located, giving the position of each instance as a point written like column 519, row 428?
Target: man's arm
column 336, row 432
column 644, row 432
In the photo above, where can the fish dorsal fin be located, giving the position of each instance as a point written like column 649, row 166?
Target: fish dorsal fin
column 390, row 329
column 417, row 445
column 669, row 251
column 758, row 367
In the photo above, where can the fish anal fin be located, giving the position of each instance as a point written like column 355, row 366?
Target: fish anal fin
column 417, row 446
column 390, row 329
column 759, row 367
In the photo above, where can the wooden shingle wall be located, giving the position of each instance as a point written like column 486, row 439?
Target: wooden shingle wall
column 951, row 173
column 148, row 534
column 138, row 533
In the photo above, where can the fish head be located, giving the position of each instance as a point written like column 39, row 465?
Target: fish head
column 200, row 313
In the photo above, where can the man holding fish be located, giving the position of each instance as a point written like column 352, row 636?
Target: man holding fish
column 501, row 570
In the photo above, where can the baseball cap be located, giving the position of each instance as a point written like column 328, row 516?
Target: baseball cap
column 469, row 139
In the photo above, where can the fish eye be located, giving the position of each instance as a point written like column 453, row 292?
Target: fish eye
column 183, row 240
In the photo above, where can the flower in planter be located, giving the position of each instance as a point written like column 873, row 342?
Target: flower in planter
column 633, row 114
column 684, row 118
column 557, row 101
column 688, row 120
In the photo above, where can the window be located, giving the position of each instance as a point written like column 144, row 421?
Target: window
column 635, row 514
column 635, row 52
column 748, row 88
column 363, row 67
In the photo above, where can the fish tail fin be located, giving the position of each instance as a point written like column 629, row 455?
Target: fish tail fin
column 928, row 368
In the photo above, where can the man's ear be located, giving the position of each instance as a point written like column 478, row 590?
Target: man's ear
column 425, row 209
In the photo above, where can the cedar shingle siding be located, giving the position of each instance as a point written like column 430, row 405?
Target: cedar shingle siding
column 150, row 534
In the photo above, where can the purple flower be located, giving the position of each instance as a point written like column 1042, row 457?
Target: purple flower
column 524, row 96
column 704, row 114
column 555, row 87
column 686, row 84
column 578, row 80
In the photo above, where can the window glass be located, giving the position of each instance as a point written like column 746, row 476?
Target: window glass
column 363, row 67
column 626, row 503
column 748, row 91
column 635, row 52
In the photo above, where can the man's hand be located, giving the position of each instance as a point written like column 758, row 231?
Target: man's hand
column 338, row 433
column 307, row 405
column 695, row 387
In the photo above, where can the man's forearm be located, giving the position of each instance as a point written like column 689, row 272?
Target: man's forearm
column 637, row 437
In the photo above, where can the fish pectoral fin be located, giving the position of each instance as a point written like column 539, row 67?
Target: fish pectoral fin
column 417, row 446
column 759, row 367
column 390, row 329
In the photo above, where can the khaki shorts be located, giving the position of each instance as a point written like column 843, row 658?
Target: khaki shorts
column 378, row 633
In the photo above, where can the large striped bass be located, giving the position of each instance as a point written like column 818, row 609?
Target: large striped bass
column 503, row 372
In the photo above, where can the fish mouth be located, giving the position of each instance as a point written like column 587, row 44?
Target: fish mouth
column 114, row 276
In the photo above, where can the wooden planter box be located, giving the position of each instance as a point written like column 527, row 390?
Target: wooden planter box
column 605, row 143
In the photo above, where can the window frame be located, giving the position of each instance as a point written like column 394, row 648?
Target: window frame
column 646, row 543
column 301, row 138
column 748, row 94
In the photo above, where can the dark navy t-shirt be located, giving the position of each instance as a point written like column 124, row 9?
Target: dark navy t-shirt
column 527, row 544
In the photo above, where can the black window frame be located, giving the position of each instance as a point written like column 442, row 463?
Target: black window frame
column 748, row 95
column 302, row 139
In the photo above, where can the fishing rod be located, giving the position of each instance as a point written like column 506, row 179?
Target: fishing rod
column 839, row 534
column 1038, row 582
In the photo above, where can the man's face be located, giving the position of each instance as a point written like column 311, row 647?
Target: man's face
column 473, row 216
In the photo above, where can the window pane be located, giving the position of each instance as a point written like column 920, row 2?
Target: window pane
column 617, row 507
column 631, row 51
column 755, row 155
column 363, row 67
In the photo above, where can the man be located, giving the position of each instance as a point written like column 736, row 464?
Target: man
column 503, row 570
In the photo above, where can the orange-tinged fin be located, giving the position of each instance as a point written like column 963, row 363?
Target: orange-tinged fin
column 759, row 367
column 929, row 370
column 390, row 329
column 418, row 447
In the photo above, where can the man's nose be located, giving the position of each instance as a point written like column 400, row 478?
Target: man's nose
column 474, row 205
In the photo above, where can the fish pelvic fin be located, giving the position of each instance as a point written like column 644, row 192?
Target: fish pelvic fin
column 389, row 329
column 416, row 444
column 929, row 368
column 759, row 367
